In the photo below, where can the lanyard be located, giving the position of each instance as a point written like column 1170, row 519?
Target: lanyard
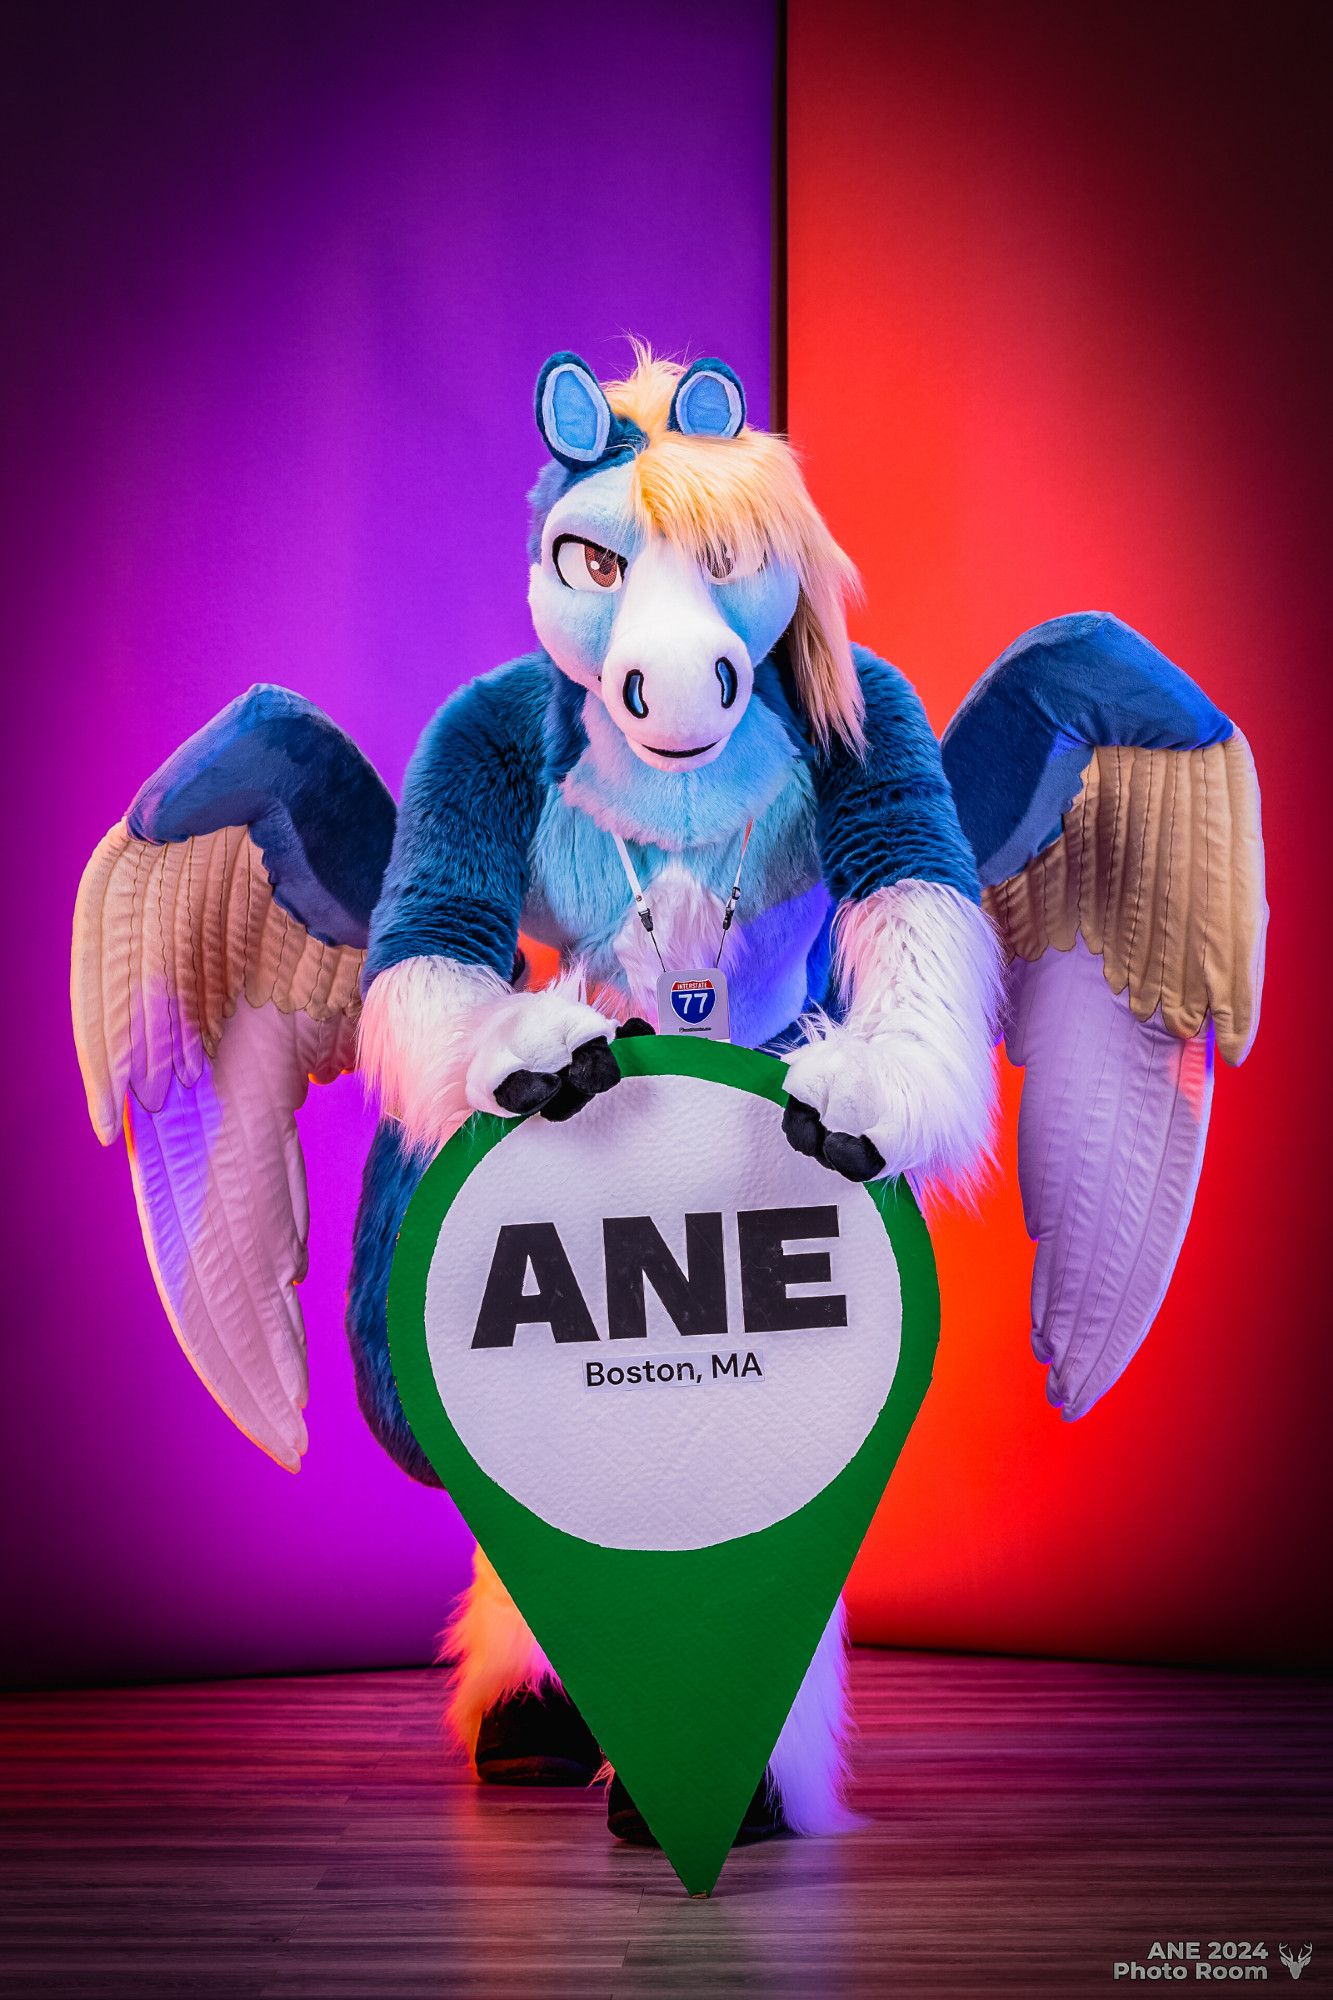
column 645, row 913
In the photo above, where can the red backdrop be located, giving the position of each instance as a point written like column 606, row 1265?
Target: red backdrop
column 1055, row 344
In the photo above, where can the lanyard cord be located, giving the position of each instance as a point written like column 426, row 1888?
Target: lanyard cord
column 730, row 910
column 640, row 900
column 645, row 913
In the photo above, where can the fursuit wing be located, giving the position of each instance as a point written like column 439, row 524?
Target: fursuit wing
column 219, row 935
column 1114, row 813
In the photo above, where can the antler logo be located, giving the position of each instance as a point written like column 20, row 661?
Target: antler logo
column 1296, row 1962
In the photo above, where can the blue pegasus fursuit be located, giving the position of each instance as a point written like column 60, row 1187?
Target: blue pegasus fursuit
column 1079, row 864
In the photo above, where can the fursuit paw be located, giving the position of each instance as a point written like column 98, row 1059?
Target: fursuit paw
column 836, row 1108
column 545, row 1052
column 535, row 1736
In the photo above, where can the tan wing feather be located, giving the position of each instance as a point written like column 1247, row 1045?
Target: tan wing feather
column 1160, row 870
column 166, row 940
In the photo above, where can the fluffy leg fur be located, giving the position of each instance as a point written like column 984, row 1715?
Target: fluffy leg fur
column 437, row 1038
column 494, row 1653
column 912, row 1066
column 809, row 1762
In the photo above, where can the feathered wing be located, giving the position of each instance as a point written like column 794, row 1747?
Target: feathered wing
column 1115, row 816
column 215, row 973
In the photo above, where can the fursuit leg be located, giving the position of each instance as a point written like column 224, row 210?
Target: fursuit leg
column 507, row 1709
column 808, row 1768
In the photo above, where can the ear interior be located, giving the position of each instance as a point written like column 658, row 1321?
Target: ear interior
column 573, row 414
column 709, row 401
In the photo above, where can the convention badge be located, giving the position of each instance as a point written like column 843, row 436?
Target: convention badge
column 665, row 1364
column 694, row 1003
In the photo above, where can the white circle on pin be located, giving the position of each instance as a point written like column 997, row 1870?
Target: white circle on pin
column 656, row 1325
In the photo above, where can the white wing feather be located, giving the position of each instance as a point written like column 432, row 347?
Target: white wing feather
column 1111, row 1137
column 201, row 1012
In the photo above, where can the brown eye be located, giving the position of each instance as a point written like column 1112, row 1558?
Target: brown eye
column 587, row 565
column 724, row 566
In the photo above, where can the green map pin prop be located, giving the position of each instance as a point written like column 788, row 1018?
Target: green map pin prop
column 665, row 1366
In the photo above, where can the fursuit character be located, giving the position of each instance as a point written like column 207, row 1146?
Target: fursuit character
column 1081, row 859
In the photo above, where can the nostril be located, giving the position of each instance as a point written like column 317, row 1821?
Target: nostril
column 727, row 680
column 633, row 694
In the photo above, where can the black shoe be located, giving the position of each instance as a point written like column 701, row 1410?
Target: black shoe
column 536, row 1737
column 763, row 1817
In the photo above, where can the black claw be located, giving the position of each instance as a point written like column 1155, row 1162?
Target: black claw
column 593, row 1068
column 634, row 1026
column 590, row 1070
column 847, row 1153
column 527, row 1090
column 567, row 1100
column 852, row 1155
column 802, row 1128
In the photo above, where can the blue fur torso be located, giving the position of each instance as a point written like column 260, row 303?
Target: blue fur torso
column 514, row 793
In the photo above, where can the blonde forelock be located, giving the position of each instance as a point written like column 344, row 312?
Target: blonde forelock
column 746, row 495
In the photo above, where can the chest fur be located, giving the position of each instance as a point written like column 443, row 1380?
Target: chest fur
column 579, row 897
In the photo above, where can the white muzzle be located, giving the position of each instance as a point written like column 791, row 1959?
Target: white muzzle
column 677, row 678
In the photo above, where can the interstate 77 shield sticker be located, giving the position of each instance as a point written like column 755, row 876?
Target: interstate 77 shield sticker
column 694, row 1003
column 665, row 1365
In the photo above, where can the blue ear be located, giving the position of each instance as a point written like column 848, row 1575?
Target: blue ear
column 709, row 401
column 573, row 414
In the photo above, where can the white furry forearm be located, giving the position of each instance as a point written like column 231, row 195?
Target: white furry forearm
column 922, row 968
column 419, row 1026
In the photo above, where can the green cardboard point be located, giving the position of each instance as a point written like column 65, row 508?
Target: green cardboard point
column 684, row 1662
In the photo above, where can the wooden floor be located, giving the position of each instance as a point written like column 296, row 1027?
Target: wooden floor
column 1028, row 1824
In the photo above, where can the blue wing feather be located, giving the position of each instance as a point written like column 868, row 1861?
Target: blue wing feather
column 316, row 807
column 1016, row 751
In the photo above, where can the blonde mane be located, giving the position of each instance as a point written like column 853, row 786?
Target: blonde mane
column 746, row 495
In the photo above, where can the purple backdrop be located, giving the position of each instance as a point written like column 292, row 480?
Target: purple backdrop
column 286, row 281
